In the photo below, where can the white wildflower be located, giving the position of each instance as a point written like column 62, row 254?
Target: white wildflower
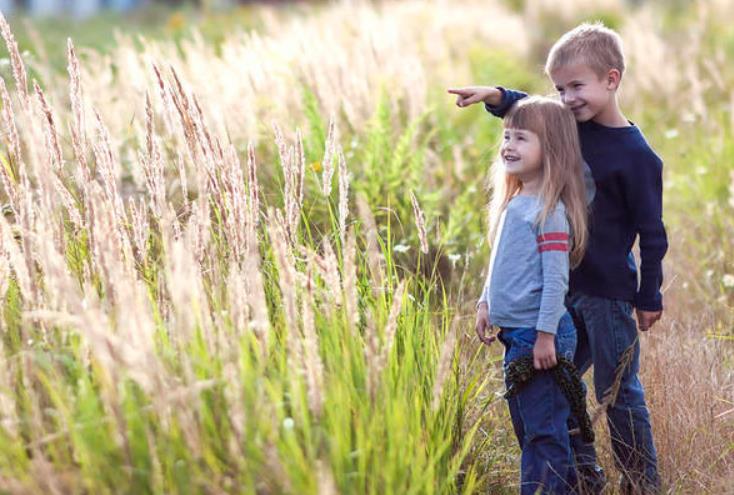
column 454, row 258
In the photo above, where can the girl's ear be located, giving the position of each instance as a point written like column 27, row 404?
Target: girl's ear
column 613, row 79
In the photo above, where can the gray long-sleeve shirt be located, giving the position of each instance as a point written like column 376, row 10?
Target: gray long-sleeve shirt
column 528, row 270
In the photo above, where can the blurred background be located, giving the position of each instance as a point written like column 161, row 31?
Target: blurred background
column 85, row 8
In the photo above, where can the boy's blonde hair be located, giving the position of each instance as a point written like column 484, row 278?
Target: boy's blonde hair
column 561, row 164
column 594, row 45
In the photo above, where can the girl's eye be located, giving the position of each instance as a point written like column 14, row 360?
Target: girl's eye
column 521, row 138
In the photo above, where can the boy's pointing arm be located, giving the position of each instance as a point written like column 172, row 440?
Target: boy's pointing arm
column 468, row 95
column 497, row 100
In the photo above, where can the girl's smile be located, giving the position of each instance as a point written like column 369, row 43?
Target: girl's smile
column 521, row 154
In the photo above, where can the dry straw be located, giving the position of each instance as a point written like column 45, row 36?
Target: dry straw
column 16, row 61
column 375, row 259
column 420, row 222
column 51, row 134
column 253, row 189
column 313, row 365
column 391, row 327
column 11, row 131
column 76, row 97
column 343, row 195
column 328, row 161
column 349, row 282
column 327, row 266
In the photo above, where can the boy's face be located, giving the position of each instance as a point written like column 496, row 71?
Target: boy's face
column 589, row 96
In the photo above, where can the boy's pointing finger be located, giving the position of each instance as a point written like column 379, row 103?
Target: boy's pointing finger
column 472, row 99
column 464, row 92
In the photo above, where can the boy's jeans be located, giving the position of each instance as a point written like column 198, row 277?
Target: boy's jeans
column 539, row 413
column 605, row 329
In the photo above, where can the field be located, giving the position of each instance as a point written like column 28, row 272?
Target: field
column 239, row 252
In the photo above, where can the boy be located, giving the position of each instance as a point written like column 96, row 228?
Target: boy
column 586, row 66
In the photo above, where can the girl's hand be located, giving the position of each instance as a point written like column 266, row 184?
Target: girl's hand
column 544, row 351
column 474, row 94
column 482, row 326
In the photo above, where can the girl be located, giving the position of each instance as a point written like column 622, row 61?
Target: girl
column 538, row 224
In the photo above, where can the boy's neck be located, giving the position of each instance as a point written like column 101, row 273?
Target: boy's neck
column 611, row 116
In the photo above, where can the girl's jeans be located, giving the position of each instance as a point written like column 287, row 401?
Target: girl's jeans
column 539, row 413
column 605, row 330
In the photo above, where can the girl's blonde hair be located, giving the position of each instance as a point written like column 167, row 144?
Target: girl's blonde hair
column 561, row 164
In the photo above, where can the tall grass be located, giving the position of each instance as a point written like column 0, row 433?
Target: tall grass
column 201, row 346
column 250, row 266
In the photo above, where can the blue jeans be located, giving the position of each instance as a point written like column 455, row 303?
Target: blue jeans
column 539, row 413
column 605, row 330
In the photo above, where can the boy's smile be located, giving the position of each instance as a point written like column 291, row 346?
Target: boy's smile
column 589, row 96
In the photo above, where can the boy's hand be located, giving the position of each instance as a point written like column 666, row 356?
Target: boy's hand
column 544, row 351
column 474, row 94
column 482, row 326
column 646, row 319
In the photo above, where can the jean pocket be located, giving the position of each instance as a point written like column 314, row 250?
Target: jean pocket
column 566, row 346
column 623, row 319
column 566, row 324
column 566, row 337
column 624, row 308
column 623, row 327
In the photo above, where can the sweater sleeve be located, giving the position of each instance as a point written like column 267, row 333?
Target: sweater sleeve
column 509, row 98
column 553, row 246
column 643, row 188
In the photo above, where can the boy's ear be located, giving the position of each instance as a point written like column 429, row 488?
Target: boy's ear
column 613, row 79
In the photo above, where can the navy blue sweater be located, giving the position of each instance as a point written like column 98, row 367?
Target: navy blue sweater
column 627, row 203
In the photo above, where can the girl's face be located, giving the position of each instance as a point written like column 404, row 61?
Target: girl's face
column 521, row 154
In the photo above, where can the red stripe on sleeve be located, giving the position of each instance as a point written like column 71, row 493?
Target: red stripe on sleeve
column 553, row 236
column 554, row 246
